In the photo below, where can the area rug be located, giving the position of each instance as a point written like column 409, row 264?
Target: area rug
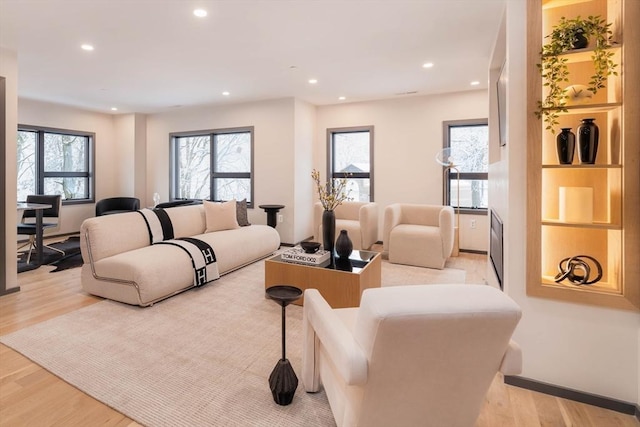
column 200, row 358
column 72, row 257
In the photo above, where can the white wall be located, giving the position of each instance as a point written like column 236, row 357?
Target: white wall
column 305, row 121
column 590, row 349
column 107, row 158
column 407, row 137
column 124, row 128
column 274, row 161
column 9, row 70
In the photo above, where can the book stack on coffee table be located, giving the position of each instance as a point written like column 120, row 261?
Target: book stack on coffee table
column 297, row 255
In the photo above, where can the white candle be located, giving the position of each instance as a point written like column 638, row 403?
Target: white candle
column 576, row 204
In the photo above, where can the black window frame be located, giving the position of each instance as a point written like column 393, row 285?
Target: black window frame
column 352, row 175
column 41, row 173
column 213, row 174
column 453, row 175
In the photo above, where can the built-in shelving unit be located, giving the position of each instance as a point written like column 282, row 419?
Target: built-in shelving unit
column 612, row 234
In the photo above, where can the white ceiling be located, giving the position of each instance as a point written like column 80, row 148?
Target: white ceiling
column 154, row 55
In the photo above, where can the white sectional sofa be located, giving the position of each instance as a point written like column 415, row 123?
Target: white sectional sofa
column 121, row 264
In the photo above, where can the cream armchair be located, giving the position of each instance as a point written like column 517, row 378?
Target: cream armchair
column 420, row 235
column 360, row 219
column 409, row 355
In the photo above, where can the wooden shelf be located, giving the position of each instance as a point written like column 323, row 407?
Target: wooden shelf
column 586, row 108
column 594, row 225
column 579, row 166
column 614, row 240
column 598, row 287
column 586, row 54
column 549, row 4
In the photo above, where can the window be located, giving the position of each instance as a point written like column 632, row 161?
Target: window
column 55, row 161
column 468, row 141
column 213, row 164
column 351, row 156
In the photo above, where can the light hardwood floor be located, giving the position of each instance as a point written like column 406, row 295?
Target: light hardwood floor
column 31, row 396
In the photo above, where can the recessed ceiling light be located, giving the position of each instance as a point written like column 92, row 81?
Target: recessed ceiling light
column 87, row 47
column 475, row 83
column 313, row 81
column 200, row 13
column 342, row 98
column 427, row 65
column 114, row 109
column 225, row 93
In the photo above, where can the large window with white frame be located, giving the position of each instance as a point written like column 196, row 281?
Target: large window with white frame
column 55, row 161
column 213, row 164
column 468, row 144
column 350, row 156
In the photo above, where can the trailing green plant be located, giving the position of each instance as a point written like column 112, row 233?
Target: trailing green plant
column 553, row 66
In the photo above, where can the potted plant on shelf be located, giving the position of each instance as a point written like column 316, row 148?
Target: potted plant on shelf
column 568, row 35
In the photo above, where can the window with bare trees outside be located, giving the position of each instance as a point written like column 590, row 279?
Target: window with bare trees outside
column 351, row 157
column 213, row 165
column 468, row 141
column 55, row 161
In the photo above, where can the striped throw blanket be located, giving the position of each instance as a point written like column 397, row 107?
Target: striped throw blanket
column 203, row 258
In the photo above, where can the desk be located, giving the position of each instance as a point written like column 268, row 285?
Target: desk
column 38, row 207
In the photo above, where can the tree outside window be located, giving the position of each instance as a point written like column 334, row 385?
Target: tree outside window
column 351, row 157
column 52, row 161
column 214, row 165
column 469, row 143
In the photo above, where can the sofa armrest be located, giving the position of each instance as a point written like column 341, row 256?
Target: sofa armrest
column 321, row 324
column 392, row 214
column 368, row 217
column 447, row 225
column 512, row 360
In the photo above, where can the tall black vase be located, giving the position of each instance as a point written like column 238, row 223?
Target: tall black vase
column 565, row 146
column 328, row 230
column 344, row 245
column 588, row 135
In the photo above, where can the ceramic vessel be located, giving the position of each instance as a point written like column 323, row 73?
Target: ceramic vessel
column 565, row 146
column 588, row 135
column 344, row 245
column 328, row 230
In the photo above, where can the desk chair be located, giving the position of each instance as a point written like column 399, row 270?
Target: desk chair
column 27, row 226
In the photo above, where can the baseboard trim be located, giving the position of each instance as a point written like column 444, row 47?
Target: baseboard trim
column 4, row 292
column 473, row 251
column 578, row 396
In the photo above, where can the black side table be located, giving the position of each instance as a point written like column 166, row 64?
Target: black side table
column 283, row 381
column 271, row 211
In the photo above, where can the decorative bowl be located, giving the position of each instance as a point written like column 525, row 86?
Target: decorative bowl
column 310, row 247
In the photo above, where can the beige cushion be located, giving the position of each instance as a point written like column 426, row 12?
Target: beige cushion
column 220, row 216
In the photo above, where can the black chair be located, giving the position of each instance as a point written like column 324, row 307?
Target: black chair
column 175, row 203
column 27, row 226
column 114, row 205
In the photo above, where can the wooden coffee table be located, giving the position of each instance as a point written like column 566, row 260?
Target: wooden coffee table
column 341, row 283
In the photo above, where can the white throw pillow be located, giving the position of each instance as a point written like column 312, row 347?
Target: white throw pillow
column 220, row 216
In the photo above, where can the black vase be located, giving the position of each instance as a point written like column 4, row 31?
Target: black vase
column 588, row 135
column 565, row 146
column 328, row 230
column 344, row 246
